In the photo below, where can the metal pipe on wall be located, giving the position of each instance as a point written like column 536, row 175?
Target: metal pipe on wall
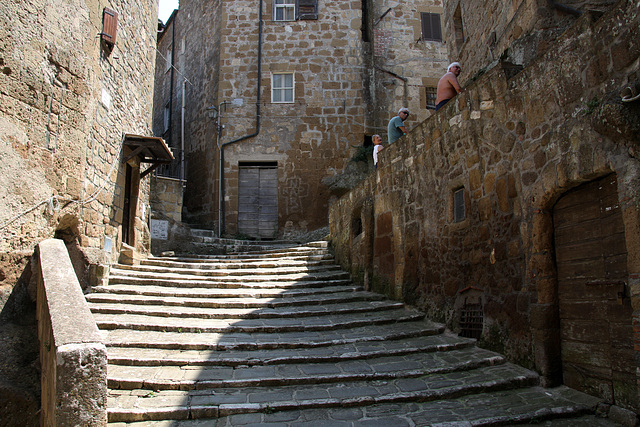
column 257, row 131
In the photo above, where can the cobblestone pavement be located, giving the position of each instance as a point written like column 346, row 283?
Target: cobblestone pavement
column 284, row 338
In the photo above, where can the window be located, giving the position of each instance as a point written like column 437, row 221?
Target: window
column 282, row 87
column 168, row 59
column 430, row 98
column 167, row 117
column 459, row 213
column 109, row 29
column 307, row 9
column 431, row 29
column 284, row 10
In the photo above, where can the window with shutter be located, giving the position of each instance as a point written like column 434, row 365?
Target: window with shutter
column 431, row 29
column 109, row 28
column 307, row 9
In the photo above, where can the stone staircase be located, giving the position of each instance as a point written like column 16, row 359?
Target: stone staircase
column 282, row 336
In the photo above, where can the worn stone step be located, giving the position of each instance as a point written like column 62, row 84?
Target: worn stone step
column 140, row 404
column 530, row 406
column 182, row 311
column 277, row 325
column 333, row 287
column 297, row 280
column 260, row 341
column 228, row 270
column 261, row 252
column 169, row 300
column 184, row 262
column 380, row 368
column 263, row 357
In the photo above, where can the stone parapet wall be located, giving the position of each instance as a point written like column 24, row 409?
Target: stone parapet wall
column 73, row 358
column 514, row 144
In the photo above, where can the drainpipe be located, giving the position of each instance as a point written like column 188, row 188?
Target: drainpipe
column 173, row 48
column 184, row 107
column 242, row 138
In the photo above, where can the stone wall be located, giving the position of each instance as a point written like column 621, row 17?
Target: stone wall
column 515, row 32
column 337, row 106
column 403, row 64
column 514, row 144
column 65, row 104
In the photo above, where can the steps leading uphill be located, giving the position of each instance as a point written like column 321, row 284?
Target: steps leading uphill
column 284, row 337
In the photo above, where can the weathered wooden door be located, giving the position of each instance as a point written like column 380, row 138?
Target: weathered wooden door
column 595, row 310
column 258, row 201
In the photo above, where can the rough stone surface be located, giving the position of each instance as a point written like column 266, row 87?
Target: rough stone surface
column 514, row 143
column 354, row 68
column 65, row 105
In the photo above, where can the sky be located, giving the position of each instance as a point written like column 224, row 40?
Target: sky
column 166, row 8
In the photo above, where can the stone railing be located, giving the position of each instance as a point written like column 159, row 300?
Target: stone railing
column 72, row 355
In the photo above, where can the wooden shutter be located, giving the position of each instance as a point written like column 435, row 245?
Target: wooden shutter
column 431, row 29
column 307, row 9
column 109, row 26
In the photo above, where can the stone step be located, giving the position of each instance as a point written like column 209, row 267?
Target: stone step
column 130, row 356
column 530, row 406
column 223, row 276
column 333, row 287
column 168, row 299
column 230, row 326
column 262, row 341
column 209, row 312
column 375, row 369
column 227, row 271
column 141, row 404
column 184, row 262
column 259, row 282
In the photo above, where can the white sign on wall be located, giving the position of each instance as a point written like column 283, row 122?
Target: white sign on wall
column 159, row 229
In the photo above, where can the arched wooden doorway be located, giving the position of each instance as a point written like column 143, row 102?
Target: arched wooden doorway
column 593, row 297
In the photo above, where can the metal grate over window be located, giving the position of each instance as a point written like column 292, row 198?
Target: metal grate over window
column 471, row 319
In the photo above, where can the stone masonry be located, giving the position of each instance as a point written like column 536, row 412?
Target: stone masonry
column 511, row 145
column 344, row 93
column 66, row 101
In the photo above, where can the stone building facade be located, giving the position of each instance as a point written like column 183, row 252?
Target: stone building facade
column 513, row 214
column 268, row 99
column 75, row 86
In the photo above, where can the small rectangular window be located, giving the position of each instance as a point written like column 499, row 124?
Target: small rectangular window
column 109, row 28
column 459, row 213
column 431, row 29
column 430, row 98
column 282, row 85
column 284, row 10
column 307, row 9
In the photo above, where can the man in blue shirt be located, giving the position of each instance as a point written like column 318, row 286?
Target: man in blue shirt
column 396, row 128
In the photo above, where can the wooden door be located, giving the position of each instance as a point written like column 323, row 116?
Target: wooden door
column 595, row 309
column 258, row 201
